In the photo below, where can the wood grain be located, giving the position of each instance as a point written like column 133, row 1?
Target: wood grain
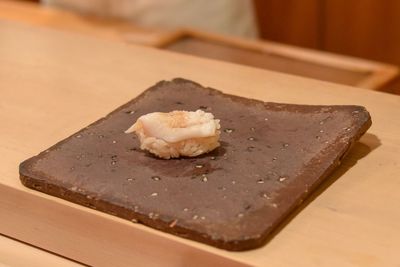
column 359, row 27
column 290, row 21
column 367, row 29
column 363, row 28
column 49, row 93
column 14, row 253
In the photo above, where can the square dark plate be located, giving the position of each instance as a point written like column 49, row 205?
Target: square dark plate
column 271, row 157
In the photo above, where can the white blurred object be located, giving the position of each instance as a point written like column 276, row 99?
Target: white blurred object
column 232, row 17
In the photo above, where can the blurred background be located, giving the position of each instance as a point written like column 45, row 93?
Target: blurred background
column 353, row 42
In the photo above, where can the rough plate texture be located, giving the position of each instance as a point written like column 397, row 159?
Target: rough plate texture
column 272, row 156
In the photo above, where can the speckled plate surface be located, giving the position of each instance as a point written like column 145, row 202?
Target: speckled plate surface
column 271, row 157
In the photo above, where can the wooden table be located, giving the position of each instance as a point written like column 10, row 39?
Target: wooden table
column 261, row 54
column 15, row 253
column 283, row 58
column 61, row 82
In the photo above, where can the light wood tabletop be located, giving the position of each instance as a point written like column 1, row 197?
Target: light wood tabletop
column 14, row 254
column 53, row 84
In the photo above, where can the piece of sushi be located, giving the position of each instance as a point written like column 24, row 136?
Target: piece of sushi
column 177, row 133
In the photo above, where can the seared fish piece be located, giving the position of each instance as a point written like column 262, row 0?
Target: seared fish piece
column 177, row 133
